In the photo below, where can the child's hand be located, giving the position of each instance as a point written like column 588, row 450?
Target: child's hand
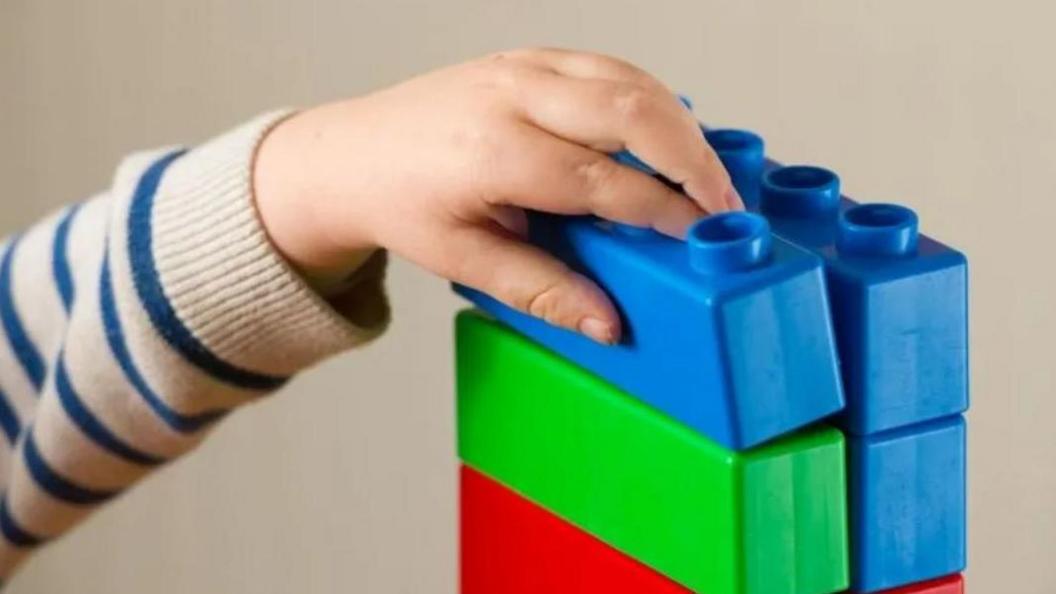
column 439, row 168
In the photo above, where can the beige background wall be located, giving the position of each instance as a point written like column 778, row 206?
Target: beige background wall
column 345, row 483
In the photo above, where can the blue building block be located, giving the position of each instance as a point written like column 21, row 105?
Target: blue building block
column 741, row 152
column 728, row 332
column 907, row 504
column 899, row 298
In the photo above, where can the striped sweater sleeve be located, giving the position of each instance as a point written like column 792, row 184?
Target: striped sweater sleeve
column 132, row 323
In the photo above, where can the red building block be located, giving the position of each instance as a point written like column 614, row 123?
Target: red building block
column 953, row 584
column 512, row 546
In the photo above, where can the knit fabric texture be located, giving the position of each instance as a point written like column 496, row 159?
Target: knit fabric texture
column 133, row 322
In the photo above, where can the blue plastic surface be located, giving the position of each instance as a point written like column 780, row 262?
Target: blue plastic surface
column 685, row 308
column 741, row 152
column 907, row 504
column 898, row 298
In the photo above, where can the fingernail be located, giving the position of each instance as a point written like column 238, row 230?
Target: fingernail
column 598, row 330
column 733, row 199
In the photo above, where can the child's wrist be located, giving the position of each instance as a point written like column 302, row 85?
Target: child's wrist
column 286, row 191
column 334, row 281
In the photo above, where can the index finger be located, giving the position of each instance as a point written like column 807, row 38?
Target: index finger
column 650, row 122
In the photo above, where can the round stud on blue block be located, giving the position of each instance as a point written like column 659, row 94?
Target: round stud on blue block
column 800, row 191
column 877, row 230
column 742, row 154
column 735, row 142
column 728, row 242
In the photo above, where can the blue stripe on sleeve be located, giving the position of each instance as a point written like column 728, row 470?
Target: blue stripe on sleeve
column 152, row 295
column 9, row 420
column 13, row 532
column 115, row 338
column 83, row 417
column 71, row 401
column 60, row 265
column 25, row 351
column 54, row 484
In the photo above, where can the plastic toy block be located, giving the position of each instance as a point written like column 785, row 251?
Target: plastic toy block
column 512, row 546
column 771, row 519
column 741, row 152
column 898, row 298
column 907, row 501
column 686, row 307
column 953, row 584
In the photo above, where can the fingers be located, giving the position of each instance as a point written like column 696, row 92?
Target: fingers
column 653, row 124
column 578, row 180
column 531, row 281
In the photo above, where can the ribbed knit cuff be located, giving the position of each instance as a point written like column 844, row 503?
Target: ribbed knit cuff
column 227, row 282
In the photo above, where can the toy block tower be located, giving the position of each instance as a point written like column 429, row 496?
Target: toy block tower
column 782, row 415
column 900, row 313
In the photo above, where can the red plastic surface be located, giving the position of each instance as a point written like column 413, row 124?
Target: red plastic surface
column 512, row 546
column 953, row 584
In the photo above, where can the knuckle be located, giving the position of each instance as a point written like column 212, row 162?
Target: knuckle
column 509, row 76
column 595, row 174
column 633, row 102
column 545, row 301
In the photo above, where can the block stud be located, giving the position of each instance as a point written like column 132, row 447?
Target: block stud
column 877, row 230
column 741, row 153
column 728, row 242
column 800, row 191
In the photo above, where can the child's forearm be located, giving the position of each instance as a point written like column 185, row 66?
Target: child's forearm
column 135, row 321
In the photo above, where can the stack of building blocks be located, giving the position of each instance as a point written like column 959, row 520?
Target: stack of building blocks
column 782, row 414
column 899, row 306
column 768, row 519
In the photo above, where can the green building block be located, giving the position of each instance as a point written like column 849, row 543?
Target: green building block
column 770, row 520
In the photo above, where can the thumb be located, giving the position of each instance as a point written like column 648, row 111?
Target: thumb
column 530, row 280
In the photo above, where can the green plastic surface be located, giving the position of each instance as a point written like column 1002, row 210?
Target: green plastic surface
column 770, row 520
